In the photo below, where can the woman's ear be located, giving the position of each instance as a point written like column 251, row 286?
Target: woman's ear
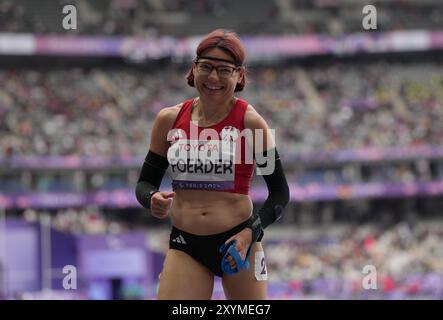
column 242, row 74
column 194, row 68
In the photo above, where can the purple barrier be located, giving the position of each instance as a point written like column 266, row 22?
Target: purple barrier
column 273, row 47
column 70, row 162
column 260, row 48
column 369, row 155
column 369, row 190
column 64, row 252
column 127, row 252
column 20, row 261
column 437, row 39
column 100, row 260
column 125, row 198
column 78, row 46
column 363, row 155
column 107, row 260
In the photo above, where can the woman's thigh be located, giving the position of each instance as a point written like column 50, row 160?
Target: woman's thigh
column 249, row 284
column 183, row 278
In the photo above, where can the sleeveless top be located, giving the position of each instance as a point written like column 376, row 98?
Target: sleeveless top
column 213, row 158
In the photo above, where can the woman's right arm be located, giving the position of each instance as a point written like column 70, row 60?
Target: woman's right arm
column 155, row 165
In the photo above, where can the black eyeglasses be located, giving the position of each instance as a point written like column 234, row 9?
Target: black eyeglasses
column 205, row 69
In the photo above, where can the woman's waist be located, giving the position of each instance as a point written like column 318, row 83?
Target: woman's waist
column 201, row 212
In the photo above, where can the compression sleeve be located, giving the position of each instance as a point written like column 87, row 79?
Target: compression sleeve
column 278, row 193
column 151, row 176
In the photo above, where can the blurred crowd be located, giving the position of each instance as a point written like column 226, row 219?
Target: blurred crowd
column 103, row 17
column 105, row 112
column 78, row 112
column 350, row 105
column 182, row 18
column 366, row 261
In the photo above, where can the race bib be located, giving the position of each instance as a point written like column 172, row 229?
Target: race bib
column 208, row 164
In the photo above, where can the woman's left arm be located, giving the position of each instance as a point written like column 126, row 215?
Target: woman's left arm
column 270, row 167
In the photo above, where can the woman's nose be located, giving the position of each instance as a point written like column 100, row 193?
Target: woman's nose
column 213, row 74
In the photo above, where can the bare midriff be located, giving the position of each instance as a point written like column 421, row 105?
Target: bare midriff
column 209, row 212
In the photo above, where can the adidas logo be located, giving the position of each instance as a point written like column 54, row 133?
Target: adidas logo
column 179, row 239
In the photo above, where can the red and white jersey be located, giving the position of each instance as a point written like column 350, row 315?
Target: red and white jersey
column 213, row 158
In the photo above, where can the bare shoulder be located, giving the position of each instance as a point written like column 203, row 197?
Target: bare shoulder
column 166, row 116
column 162, row 124
column 253, row 120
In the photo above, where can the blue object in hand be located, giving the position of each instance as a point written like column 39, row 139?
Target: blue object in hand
column 229, row 249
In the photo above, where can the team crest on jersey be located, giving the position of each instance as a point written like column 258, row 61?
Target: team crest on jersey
column 229, row 133
column 174, row 135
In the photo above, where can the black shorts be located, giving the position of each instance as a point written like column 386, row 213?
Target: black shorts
column 204, row 249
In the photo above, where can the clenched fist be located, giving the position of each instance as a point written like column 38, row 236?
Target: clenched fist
column 161, row 202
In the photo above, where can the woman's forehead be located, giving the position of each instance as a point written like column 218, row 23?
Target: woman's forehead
column 217, row 61
column 217, row 54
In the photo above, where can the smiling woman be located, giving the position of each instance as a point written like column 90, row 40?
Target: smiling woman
column 215, row 232
column 230, row 50
column 216, row 88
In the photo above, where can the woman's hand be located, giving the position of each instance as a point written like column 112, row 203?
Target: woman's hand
column 243, row 240
column 161, row 202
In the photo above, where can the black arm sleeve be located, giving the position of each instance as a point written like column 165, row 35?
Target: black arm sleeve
column 278, row 196
column 151, row 176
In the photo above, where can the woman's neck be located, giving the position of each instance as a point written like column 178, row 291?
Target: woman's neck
column 210, row 112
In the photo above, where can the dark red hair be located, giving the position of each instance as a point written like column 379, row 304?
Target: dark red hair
column 227, row 41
